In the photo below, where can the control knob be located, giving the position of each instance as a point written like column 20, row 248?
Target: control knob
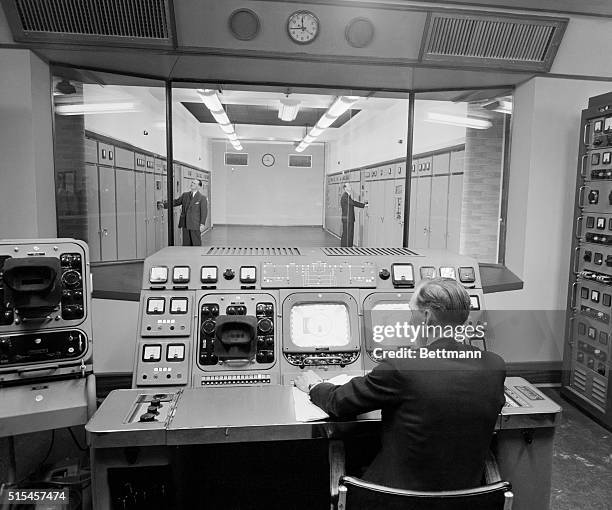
column 147, row 417
column 384, row 274
column 229, row 274
column 71, row 279
column 265, row 326
column 152, row 410
column 208, row 326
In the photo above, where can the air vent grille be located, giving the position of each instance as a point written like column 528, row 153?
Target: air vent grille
column 236, row 159
column 135, row 19
column 253, row 251
column 579, row 380
column 527, row 42
column 357, row 251
column 300, row 161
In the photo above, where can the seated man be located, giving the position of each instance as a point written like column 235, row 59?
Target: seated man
column 438, row 413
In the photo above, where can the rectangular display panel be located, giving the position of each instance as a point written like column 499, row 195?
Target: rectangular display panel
column 606, row 158
column 448, row 272
column 247, row 274
column 382, row 307
column 175, row 352
column 180, row 274
column 474, row 303
column 597, row 126
column 209, row 274
column 156, row 305
column 402, row 274
column 608, row 124
column 151, row 352
column 178, row 305
column 158, row 274
column 314, row 325
column 428, row 272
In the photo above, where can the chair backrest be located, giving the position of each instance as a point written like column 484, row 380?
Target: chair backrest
column 356, row 494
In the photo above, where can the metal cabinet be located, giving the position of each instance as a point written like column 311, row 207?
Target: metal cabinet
column 141, row 215
column 150, row 211
column 92, row 211
column 108, row 214
column 126, row 213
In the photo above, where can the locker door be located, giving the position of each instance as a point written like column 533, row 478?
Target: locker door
column 378, row 200
column 141, row 216
column 126, row 214
column 92, row 211
column 178, row 238
column 162, row 214
column 158, row 194
column 455, row 201
column 389, row 221
column 150, row 208
column 439, row 212
column 412, row 234
column 422, row 208
column 398, row 212
column 108, row 213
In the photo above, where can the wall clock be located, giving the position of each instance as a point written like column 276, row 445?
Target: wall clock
column 303, row 27
column 267, row 160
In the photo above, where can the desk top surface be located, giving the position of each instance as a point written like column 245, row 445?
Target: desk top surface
column 266, row 413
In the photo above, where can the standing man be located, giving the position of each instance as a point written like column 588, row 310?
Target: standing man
column 194, row 209
column 347, row 204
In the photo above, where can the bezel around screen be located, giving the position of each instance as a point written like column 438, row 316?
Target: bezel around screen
column 320, row 322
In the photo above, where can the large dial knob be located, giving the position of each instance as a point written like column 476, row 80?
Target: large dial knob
column 208, row 326
column 71, row 279
column 265, row 326
column 384, row 274
column 229, row 274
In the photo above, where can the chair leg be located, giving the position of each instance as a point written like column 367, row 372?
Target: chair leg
column 492, row 474
column 336, row 456
column 508, row 498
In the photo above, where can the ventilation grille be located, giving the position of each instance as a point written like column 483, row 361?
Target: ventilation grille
column 579, row 380
column 258, row 252
column 599, row 391
column 300, row 161
column 367, row 251
column 236, row 159
column 530, row 43
column 143, row 20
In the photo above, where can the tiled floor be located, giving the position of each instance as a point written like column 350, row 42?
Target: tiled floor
column 582, row 461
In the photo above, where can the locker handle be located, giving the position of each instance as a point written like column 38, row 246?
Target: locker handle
column 104, row 232
column 579, row 227
column 584, row 133
column 573, row 300
column 584, row 157
column 571, row 331
column 581, row 196
column 576, row 258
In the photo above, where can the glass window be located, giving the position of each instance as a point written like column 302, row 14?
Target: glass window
column 286, row 157
column 457, row 171
column 110, row 162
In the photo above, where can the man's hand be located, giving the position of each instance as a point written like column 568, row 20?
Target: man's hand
column 307, row 380
column 367, row 204
column 202, row 229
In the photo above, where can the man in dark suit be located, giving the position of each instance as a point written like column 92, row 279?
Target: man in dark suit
column 347, row 204
column 194, row 209
column 438, row 410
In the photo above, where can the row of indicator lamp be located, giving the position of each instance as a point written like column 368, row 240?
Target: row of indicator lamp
column 208, row 274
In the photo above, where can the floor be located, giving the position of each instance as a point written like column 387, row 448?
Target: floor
column 255, row 236
column 582, row 461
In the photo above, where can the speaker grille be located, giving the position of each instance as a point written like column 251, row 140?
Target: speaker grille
column 360, row 252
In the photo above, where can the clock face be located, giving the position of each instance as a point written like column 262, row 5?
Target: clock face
column 303, row 27
column 267, row 160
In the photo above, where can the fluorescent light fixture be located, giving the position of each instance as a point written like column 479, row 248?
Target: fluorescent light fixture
column 340, row 105
column 337, row 108
column 228, row 129
column 94, row 108
column 211, row 101
column 456, row 120
column 288, row 109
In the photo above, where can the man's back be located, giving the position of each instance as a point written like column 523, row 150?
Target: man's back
column 438, row 416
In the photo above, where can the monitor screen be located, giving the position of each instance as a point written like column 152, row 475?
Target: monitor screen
column 320, row 325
